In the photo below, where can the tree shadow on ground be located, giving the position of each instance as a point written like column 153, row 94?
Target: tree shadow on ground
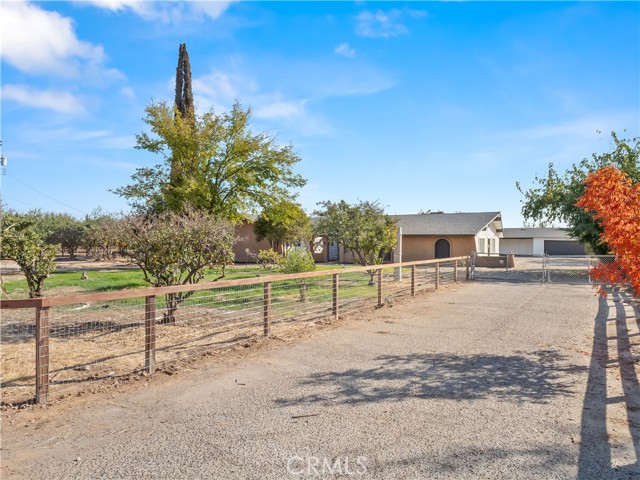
column 468, row 462
column 595, row 447
column 526, row 377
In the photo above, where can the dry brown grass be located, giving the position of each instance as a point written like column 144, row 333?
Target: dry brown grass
column 92, row 343
column 85, row 352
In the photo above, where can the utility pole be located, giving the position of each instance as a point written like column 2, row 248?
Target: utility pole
column 3, row 171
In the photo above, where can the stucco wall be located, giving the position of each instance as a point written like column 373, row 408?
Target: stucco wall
column 423, row 247
column 320, row 250
column 538, row 246
column 247, row 239
column 487, row 240
column 495, row 261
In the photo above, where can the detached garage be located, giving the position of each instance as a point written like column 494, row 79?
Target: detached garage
column 539, row 241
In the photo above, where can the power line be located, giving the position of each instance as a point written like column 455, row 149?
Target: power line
column 11, row 199
column 45, row 195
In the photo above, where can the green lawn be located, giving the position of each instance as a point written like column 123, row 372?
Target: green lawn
column 60, row 283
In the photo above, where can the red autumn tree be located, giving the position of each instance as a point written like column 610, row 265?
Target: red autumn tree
column 614, row 201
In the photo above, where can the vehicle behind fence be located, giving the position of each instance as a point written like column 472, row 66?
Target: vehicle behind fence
column 58, row 345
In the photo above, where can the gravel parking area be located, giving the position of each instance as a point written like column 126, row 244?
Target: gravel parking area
column 479, row 380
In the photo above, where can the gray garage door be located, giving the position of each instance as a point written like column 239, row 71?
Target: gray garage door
column 563, row 247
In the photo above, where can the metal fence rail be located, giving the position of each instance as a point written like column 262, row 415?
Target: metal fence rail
column 58, row 345
column 554, row 269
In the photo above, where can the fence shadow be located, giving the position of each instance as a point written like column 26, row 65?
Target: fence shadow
column 595, row 447
column 527, row 377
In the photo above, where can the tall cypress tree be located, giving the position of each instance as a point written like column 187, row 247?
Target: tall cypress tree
column 184, row 113
column 184, row 94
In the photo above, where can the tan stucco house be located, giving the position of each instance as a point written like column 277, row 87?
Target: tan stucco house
column 422, row 236
column 246, row 240
column 441, row 235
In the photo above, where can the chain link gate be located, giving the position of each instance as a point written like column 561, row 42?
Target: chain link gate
column 548, row 269
column 573, row 269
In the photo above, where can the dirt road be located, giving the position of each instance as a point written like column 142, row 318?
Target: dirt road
column 481, row 380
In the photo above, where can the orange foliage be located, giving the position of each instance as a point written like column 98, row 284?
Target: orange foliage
column 615, row 201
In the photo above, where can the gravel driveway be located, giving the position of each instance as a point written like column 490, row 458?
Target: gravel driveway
column 479, row 380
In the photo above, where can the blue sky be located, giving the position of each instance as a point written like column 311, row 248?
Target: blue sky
column 440, row 106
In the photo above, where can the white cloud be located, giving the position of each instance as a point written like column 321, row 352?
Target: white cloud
column 344, row 50
column 60, row 101
column 270, row 107
column 120, row 5
column 287, row 91
column 281, row 110
column 213, row 10
column 417, row 13
column 165, row 12
column 46, row 133
column 220, row 88
column 326, row 81
column 39, row 41
column 380, row 24
column 128, row 92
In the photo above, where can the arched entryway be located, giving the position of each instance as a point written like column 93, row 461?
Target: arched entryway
column 443, row 248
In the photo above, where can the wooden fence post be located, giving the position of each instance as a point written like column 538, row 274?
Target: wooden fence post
column 379, row 287
column 42, row 355
column 267, row 308
column 467, row 262
column 150, row 334
column 455, row 272
column 413, row 280
column 437, row 275
column 336, row 286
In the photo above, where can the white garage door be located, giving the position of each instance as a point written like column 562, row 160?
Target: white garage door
column 519, row 246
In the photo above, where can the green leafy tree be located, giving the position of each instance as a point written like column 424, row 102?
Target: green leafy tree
column 298, row 261
column 23, row 243
column 102, row 235
column 217, row 163
column 176, row 248
column 70, row 238
column 553, row 198
column 269, row 258
column 283, row 223
column 49, row 224
column 363, row 228
column 293, row 261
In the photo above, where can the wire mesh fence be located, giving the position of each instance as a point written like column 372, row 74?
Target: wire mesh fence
column 573, row 269
column 548, row 269
column 59, row 345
